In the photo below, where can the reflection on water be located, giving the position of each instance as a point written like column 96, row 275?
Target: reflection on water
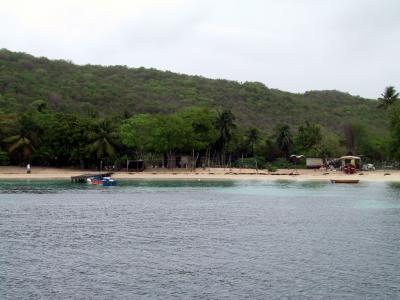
column 381, row 196
column 34, row 186
column 61, row 186
column 313, row 184
column 393, row 189
column 199, row 239
column 363, row 195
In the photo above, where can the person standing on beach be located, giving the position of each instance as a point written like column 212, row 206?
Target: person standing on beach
column 28, row 168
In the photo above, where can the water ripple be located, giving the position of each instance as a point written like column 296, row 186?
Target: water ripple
column 202, row 240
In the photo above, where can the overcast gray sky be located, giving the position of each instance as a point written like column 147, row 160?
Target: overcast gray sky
column 293, row 45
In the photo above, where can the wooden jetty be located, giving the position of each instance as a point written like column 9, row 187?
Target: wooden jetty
column 83, row 178
column 345, row 180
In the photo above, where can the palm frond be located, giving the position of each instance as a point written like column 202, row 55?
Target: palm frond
column 18, row 144
column 110, row 149
column 11, row 139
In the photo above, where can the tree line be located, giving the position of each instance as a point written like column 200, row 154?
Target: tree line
column 46, row 137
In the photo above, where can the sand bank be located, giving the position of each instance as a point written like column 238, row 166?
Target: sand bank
column 208, row 174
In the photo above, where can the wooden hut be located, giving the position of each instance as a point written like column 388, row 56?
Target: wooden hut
column 350, row 160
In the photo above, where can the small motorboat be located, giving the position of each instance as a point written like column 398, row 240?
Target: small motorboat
column 104, row 181
column 345, row 180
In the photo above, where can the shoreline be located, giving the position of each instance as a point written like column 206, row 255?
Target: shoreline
column 19, row 173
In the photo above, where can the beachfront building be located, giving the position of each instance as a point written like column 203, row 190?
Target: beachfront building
column 314, row 163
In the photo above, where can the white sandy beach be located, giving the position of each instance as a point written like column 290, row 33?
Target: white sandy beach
column 208, row 174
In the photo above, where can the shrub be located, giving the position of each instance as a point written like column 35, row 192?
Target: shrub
column 282, row 163
column 4, row 159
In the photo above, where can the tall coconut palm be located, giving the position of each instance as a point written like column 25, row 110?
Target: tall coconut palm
column 103, row 139
column 25, row 140
column 284, row 139
column 389, row 97
column 350, row 137
column 225, row 125
column 252, row 138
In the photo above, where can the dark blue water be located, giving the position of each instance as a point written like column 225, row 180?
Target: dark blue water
column 199, row 240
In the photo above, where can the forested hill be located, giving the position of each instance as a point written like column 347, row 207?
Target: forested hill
column 111, row 90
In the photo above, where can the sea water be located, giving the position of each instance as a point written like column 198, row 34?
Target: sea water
column 199, row 240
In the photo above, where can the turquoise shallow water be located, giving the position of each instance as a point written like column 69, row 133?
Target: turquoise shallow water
column 201, row 240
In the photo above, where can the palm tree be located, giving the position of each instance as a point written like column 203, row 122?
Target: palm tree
column 284, row 139
column 225, row 125
column 104, row 140
column 253, row 136
column 25, row 140
column 20, row 142
column 389, row 97
column 350, row 138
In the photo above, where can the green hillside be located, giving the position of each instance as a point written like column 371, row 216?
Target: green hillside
column 111, row 90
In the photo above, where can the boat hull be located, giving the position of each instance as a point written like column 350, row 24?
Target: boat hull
column 102, row 181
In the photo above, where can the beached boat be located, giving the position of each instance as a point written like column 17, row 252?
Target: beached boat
column 345, row 180
column 104, row 181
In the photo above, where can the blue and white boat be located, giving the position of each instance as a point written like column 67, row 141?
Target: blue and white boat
column 104, row 181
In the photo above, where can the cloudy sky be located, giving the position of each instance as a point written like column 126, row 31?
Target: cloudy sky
column 293, row 45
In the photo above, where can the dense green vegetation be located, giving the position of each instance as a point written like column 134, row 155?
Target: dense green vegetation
column 60, row 114
column 64, row 87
